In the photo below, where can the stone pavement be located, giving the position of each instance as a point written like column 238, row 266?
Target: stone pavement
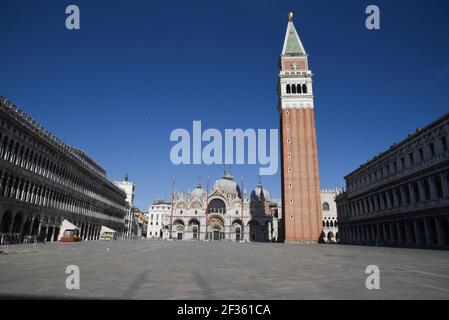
column 144, row 269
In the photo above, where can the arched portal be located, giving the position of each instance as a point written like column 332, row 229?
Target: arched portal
column 17, row 224
column 330, row 237
column 6, row 223
column 254, row 227
column 178, row 228
column 216, row 228
column 237, row 229
column 194, row 226
column 217, row 206
column 432, row 232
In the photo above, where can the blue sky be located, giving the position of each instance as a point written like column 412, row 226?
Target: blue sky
column 136, row 70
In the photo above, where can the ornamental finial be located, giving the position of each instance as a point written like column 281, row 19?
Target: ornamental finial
column 290, row 16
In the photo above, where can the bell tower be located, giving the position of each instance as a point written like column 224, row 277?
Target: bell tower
column 301, row 202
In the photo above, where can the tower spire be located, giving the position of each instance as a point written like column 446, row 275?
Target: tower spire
column 292, row 43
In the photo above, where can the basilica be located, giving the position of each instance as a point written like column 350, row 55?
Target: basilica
column 223, row 213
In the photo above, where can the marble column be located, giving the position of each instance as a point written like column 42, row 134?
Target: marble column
column 441, row 236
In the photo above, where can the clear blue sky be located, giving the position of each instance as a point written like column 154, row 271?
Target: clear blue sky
column 139, row 69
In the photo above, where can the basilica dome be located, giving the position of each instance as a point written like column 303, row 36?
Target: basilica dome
column 259, row 189
column 198, row 192
column 226, row 185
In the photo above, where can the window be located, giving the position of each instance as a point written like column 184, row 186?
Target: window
column 412, row 159
column 289, row 90
column 304, row 88
column 443, row 141
column 432, row 150
column 325, row 206
column 416, row 192
column 299, row 88
column 438, row 187
column 426, row 189
column 403, row 163
column 293, row 88
column 395, row 166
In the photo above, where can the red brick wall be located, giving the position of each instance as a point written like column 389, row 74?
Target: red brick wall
column 304, row 176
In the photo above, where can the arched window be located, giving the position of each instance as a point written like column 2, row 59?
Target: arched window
column 325, row 206
column 293, row 88
column 438, row 187
column 289, row 90
column 304, row 88
column 426, row 189
column 299, row 88
column 327, row 224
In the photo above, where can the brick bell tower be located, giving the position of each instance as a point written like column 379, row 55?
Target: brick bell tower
column 301, row 203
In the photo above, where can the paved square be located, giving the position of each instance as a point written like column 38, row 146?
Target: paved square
column 144, row 269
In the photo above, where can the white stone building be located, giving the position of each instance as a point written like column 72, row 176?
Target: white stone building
column 156, row 213
column 131, row 226
column 329, row 209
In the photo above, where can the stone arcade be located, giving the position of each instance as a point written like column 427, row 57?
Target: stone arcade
column 401, row 196
column 43, row 181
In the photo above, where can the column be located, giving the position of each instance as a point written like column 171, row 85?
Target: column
column 392, row 235
column 408, row 233
column 399, row 232
column 440, row 232
column 378, row 231
column 418, row 235
column 411, row 192
column 427, row 231
column 444, row 184
column 376, row 207
column 403, row 197
column 389, row 204
column 433, row 192
column 421, row 191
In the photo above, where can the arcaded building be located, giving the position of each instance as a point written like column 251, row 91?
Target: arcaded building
column 401, row 196
column 43, row 182
column 330, row 219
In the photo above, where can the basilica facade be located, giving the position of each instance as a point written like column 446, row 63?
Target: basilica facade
column 226, row 213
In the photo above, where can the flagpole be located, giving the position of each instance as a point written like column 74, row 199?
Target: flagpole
column 207, row 208
column 243, row 192
column 172, row 205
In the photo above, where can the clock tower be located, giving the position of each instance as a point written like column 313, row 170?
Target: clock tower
column 301, row 204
